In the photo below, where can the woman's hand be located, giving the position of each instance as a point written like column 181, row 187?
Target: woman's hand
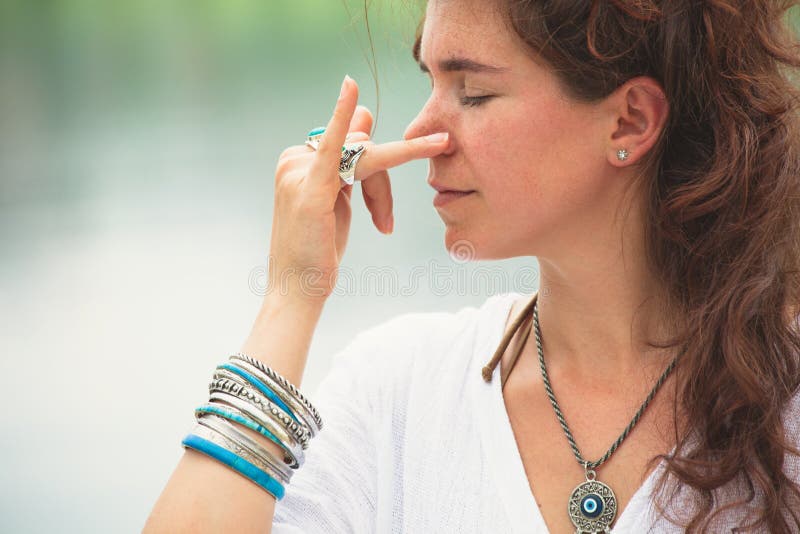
column 312, row 211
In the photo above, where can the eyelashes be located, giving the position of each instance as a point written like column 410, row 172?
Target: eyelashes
column 473, row 101
column 467, row 101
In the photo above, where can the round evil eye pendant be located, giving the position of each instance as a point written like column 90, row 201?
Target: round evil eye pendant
column 592, row 507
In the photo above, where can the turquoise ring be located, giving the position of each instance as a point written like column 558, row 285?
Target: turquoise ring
column 350, row 154
column 314, row 136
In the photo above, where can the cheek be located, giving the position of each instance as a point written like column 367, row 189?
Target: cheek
column 534, row 155
column 510, row 155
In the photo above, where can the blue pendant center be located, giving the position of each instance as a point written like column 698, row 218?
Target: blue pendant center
column 592, row 506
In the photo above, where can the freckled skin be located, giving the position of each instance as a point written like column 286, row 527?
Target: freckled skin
column 548, row 184
column 537, row 160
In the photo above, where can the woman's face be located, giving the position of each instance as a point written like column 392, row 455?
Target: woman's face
column 535, row 160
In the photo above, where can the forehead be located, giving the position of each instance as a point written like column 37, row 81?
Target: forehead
column 467, row 13
column 472, row 28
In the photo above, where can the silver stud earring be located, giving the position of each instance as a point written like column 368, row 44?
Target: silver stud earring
column 622, row 154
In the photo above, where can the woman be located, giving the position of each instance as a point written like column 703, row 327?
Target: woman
column 647, row 153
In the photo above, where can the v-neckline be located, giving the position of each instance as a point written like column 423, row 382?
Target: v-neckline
column 503, row 455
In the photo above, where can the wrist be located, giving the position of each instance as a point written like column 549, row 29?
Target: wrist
column 302, row 306
column 282, row 332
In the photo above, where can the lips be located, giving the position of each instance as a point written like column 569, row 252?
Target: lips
column 442, row 188
column 443, row 198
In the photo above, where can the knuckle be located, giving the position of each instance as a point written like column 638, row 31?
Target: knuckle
column 291, row 163
column 286, row 152
column 294, row 151
column 283, row 182
column 283, row 167
column 357, row 136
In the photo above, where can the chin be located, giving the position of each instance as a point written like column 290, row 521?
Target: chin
column 465, row 246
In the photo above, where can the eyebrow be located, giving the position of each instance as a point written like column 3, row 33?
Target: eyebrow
column 461, row 64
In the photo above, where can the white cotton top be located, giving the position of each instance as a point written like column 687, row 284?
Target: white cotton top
column 415, row 441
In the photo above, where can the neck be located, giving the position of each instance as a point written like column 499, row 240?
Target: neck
column 599, row 327
column 598, row 308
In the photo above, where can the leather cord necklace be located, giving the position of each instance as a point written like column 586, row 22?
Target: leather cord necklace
column 523, row 323
column 592, row 506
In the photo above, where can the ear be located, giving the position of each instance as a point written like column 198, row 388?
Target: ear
column 639, row 109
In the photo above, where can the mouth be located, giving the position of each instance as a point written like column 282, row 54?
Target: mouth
column 446, row 189
column 447, row 196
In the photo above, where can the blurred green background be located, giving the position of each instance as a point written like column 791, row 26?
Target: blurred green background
column 138, row 142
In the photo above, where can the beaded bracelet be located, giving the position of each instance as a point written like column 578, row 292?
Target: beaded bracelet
column 227, row 382
column 284, row 384
column 206, row 446
column 294, row 406
column 241, row 369
column 298, row 408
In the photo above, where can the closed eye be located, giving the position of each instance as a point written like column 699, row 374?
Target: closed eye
column 472, row 101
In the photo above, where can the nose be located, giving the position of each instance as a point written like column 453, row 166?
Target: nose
column 427, row 121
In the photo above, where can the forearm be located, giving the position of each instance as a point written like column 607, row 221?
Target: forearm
column 281, row 335
column 203, row 495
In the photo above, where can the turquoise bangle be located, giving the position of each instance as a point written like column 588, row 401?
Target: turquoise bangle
column 263, row 388
column 249, row 423
column 239, row 464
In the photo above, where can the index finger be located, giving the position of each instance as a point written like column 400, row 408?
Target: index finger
column 387, row 155
column 329, row 151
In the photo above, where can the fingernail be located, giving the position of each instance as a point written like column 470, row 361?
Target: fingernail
column 344, row 84
column 389, row 223
column 438, row 137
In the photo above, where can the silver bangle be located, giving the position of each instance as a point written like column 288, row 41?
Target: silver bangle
column 295, row 457
column 298, row 408
column 222, row 402
column 282, row 382
column 224, row 434
column 229, row 382
column 209, row 429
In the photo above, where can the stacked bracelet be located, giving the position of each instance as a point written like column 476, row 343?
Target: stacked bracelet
column 285, row 390
column 227, row 382
column 202, row 441
column 246, row 393
column 239, row 412
column 294, row 455
column 257, row 454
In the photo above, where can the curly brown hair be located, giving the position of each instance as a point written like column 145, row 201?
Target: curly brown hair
column 723, row 223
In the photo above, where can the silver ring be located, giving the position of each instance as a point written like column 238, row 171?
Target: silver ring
column 350, row 155
column 347, row 165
